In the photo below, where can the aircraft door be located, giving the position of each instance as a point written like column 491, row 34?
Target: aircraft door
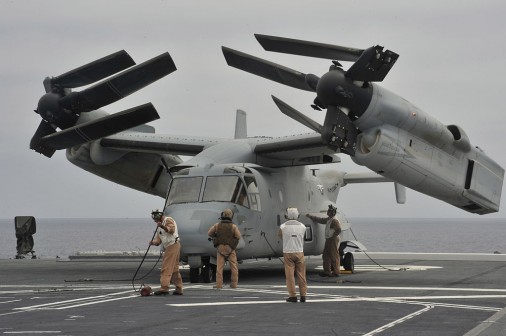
column 278, row 203
column 313, row 196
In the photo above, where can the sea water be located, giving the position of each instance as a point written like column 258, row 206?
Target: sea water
column 60, row 238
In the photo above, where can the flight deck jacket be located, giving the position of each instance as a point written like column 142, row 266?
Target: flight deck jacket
column 225, row 232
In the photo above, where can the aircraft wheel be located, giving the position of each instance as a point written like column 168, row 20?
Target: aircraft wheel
column 208, row 273
column 349, row 262
column 194, row 274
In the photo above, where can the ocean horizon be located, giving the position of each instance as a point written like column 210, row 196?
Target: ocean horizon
column 63, row 237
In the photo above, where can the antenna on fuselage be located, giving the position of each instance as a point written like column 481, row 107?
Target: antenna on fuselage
column 241, row 129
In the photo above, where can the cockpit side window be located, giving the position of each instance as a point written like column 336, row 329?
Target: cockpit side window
column 253, row 192
column 184, row 190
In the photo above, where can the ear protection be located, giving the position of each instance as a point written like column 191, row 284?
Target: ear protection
column 292, row 213
column 227, row 214
column 156, row 215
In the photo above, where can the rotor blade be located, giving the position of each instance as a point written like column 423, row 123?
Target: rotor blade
column 119, row 86
column 94, row 71
column 373, row 65
column 101, row 127
column 269, row 70
column 296, row 115
column 308, row 48
column 44, row 129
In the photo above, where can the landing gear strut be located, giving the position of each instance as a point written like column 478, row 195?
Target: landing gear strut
column 204, row 274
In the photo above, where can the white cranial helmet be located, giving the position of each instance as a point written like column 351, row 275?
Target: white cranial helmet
column 292, row 213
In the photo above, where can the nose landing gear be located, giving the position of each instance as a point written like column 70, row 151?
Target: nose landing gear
column 204, row 274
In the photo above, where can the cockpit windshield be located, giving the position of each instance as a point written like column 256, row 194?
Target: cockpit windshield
column 222, row 188
column 225, row 189
column 185, row 190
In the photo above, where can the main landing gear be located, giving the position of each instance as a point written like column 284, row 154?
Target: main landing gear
column 347, row 259
column 204, row 274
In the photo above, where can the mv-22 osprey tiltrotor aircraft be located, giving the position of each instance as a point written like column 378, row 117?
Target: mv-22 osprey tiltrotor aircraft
column 258, row 178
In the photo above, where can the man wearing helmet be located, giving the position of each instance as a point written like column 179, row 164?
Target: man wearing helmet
column 292, row 232
column 225, row 236
column 167, row 236
column 331, row 261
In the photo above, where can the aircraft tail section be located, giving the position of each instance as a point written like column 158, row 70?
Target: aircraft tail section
column 241, row 129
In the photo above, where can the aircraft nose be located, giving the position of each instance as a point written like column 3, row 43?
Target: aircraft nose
column 193, row 225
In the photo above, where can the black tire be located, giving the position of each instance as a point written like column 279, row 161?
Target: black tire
column 208, row 273
column 349, row 262
column 194, row 274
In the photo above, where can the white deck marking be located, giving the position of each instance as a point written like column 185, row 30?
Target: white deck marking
column 377, row 268
column 33, row 332
column 321, row 298
column 10, row 301
column 399, row 321
column 79, row 302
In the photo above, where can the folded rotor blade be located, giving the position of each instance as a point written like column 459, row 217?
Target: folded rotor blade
column 119, row 86
column 101, row 127
column 43, row 130
column 94, row 71
column 269, row 70
column 308, row 48
column 296, row 115
column 373, row 65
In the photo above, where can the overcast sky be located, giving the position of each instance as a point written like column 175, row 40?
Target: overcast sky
column 451, row 65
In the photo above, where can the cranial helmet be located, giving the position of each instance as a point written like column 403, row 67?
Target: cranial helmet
column 292, row 213
column 227, row 214
column 332, row 210
column 156, row 215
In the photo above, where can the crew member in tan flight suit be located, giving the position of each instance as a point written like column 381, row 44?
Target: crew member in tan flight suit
column 226, row 236
column 331, row 261
column 167, row 236
column 293, row 233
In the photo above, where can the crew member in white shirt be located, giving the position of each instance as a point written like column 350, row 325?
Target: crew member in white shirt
column 292, row 232
column 167, row 236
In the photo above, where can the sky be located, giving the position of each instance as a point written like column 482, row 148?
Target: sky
column 451, row 65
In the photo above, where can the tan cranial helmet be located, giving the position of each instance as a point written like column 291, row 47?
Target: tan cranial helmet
column 292, row 213
column 227, row 214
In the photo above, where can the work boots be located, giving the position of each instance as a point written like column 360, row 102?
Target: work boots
column 294, row 299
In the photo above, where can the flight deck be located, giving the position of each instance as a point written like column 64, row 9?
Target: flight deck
column 389, row 294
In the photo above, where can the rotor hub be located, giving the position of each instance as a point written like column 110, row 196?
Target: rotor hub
column 48, row 107
column 335, row 89
column 332, row 89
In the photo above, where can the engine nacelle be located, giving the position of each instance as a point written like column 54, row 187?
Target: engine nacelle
column 403, row 143
column 141, row 171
